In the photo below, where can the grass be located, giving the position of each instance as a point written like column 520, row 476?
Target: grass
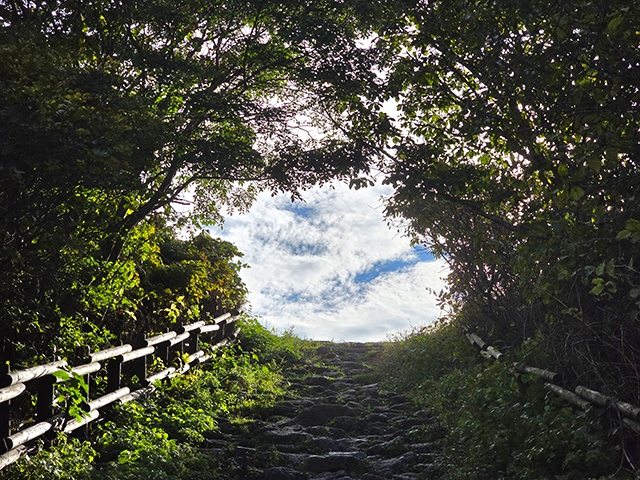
column 491, row 426
column 161, row 437
column 488, row 425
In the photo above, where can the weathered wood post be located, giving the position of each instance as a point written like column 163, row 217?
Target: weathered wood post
column 140, row 364
column 193, row 341
column 46, row 393
column 162, row 352
column 114, row 374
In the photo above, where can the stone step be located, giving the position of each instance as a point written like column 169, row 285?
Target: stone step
column 331, row 427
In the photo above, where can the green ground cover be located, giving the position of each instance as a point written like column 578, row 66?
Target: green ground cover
column 492, row 425
column 162, row 436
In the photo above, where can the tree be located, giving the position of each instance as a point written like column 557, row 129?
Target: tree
column 520, row 164
column 112, row 112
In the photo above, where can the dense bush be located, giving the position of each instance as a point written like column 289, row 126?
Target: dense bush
column 159, row 437
column 519, row 164
column 491, row 425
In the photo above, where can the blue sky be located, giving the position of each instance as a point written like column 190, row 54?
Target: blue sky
column 331, row 267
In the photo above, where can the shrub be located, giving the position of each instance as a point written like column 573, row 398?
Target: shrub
column 491, row 425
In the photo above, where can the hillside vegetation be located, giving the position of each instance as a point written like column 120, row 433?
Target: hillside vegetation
column 165, row 435
column 482, row 422
column 492, row 424
column 514, row 154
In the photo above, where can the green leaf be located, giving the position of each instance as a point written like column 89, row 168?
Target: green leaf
column 595, row 163
column 61, row 374
column 563, row 170
column 633, row 225
column 614, row 24
column 599, row 286
column 610, row 267
column 576, row 193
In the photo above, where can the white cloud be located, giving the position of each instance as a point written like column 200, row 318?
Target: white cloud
column 331, row 267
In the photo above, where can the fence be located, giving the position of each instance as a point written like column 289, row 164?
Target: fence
column 582, row 397
column 174, row 344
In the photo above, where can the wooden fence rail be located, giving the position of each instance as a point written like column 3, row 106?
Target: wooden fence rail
column 582, row 397
column 166, row 346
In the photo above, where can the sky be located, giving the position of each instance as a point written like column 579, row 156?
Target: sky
column 331, row 268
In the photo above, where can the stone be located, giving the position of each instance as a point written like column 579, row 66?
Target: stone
column 286, row 436
column 397, row 399
column 281, row 473
column 334, row 428
column 323, row 350
column 409, row 423
column 319, row 380
column 244, row 452
column 421, row 447
column 326, row 444
column 294, row 459
column 354, row 365
column 377, row 417
column 392, row 447
column 283, row 411
column 335, row 461
column 323, row 413
column 394, row 465
column 350, row 424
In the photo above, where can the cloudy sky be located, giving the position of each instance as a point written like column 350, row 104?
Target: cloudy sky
column 331, row 267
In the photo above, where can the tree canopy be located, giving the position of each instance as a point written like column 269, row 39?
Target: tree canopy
column 113, row 113
column 514, row 154
column 518, row 160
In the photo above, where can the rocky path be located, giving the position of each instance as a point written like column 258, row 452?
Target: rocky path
column 335, row 425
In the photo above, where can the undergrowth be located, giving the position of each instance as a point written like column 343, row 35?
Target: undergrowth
column 490, row 424
column 161, row 437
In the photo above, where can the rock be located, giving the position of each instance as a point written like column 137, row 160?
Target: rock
column 409, row 423
column 335, row 461
column 397, row 399
column 280, row 473
column 283, row 411
column 370, row 402
column 319, row 380
column 407, row 406
column 286, row 436
column 323, row 413
column 351, row 424
column 244, row 452
column 351, row 365
column 323, row 350
column 325, row 433
column 294, row 459
column 377, row 417
column 394, row 465
column 421, row 447
column 392, row 447
column 326, row 444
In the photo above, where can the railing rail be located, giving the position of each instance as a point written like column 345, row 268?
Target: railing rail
column 185, row 339
column 582, row 397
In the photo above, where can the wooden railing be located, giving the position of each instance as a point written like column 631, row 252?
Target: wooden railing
column 582, row 397
column 181, row 344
